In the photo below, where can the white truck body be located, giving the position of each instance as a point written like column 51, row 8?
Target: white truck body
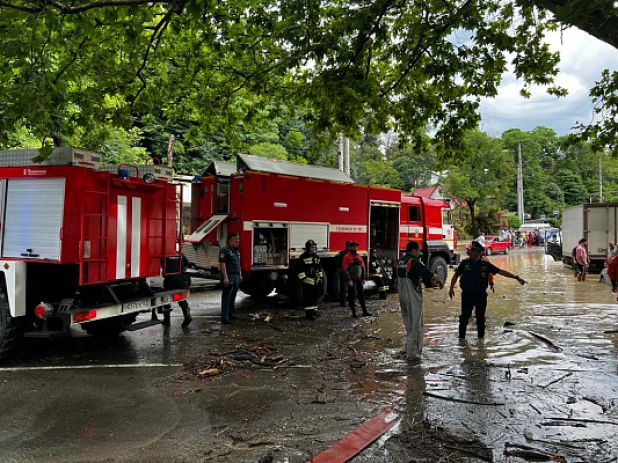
column 598, row 223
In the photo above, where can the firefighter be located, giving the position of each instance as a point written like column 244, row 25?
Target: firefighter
column 341, row 280
column 490, row 277
column 474, row 274
column 309, row 272
column 354, row 270
column 410, row 273
column 231, row 277
column 178, row 281
column 376, row 274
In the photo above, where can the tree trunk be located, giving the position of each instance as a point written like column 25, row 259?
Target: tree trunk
column 590, row 19
column 474, row 229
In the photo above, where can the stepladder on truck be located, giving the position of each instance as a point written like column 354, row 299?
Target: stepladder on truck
column 79, row 242
column 277, row 206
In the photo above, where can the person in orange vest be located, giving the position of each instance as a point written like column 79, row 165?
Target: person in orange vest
column 354, row 271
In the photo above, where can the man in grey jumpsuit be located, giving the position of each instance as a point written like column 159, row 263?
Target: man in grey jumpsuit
column 410, row 272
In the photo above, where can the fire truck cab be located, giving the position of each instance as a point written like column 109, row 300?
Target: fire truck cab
column 78, row 242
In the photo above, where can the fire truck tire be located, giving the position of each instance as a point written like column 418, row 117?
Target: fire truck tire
column 438, row 265
column 108, row 327
column 258, row 288
column 9, row 332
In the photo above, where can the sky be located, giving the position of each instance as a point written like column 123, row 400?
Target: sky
column 583, row 58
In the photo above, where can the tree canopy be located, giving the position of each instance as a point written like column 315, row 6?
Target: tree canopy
column 353, row 66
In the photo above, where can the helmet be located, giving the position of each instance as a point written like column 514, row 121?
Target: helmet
column 309, row 244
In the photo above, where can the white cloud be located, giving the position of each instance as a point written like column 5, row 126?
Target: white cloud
column 583, row 57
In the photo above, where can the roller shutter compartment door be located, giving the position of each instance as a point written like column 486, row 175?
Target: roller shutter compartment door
column 33, row 218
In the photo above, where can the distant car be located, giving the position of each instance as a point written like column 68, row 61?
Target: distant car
column 493, row 245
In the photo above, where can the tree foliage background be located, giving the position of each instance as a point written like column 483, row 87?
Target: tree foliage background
column 283, row 79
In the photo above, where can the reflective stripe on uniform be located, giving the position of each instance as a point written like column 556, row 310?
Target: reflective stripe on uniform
column 313, row 307
column 383, row 288
column 308, row 260
column 302, row 275
column 319, row 275
column 311, row 281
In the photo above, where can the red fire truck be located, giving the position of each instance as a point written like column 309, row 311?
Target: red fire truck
column 78, row 242
column 276, row 206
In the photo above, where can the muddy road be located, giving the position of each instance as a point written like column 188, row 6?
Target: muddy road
column 277, row 388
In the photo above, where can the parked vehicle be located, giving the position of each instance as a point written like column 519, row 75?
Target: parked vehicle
column 598, row 223
column 276, row 206
column 79, row 241
column 493, row 245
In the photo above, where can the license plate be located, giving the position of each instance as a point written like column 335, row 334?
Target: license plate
column 137, row 305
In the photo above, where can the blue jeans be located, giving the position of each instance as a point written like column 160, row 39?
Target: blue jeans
column 228, row 297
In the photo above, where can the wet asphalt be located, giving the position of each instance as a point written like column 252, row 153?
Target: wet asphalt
column 544, row 377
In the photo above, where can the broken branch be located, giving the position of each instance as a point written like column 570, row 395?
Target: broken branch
column 463, row 401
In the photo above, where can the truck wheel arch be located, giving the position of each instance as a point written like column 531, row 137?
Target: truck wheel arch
column 438, row 264
column 9, row 327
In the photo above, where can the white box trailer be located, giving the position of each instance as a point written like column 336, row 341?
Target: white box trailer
column 598, row 223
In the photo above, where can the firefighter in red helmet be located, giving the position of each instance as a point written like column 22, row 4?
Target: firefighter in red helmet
column 309, row 273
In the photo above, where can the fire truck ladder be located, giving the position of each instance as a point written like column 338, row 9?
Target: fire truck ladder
column 94, row 245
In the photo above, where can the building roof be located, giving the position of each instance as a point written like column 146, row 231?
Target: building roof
column 261, row 164
column 425, row 192
column 220, row 169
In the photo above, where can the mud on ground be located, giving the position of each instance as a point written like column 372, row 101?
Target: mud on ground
column 279, row 385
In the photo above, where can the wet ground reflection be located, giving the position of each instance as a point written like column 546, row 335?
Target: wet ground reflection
column 546, row 379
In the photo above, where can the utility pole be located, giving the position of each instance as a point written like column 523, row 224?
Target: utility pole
column 340, row 152
column 170, row 150
column 600, row 180
column 520, row 185
column 346, row 156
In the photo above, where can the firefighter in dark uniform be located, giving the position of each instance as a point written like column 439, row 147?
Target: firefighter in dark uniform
column 231, row 277
column 309, row 272
column 376, row 274
column 474, row 273
column 178, row 281
column 341, row 279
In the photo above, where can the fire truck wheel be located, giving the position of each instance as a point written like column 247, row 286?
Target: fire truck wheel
column 438, row 265
column 105, row 328
column 8, row 327
column 256, row 288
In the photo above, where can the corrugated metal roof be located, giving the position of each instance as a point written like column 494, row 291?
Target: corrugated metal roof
column 260, row 164
column 220, row 169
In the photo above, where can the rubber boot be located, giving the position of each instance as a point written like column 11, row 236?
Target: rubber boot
column 481, row 330
column 166, row 318
column 186, row 312
column 309, row 315
column 353, row 311
column 462, row 331
column 382, row 295
column 365, row 312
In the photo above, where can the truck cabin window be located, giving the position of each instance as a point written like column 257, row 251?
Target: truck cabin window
column 414, row 213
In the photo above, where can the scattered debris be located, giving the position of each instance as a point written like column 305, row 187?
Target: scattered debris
column 208, row 372
column 463, row 401
column 544, row 386
column 524, row 451
column 547, row 341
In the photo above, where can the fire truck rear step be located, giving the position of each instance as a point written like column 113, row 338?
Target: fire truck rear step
column 142, row 325
column 46, row 334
